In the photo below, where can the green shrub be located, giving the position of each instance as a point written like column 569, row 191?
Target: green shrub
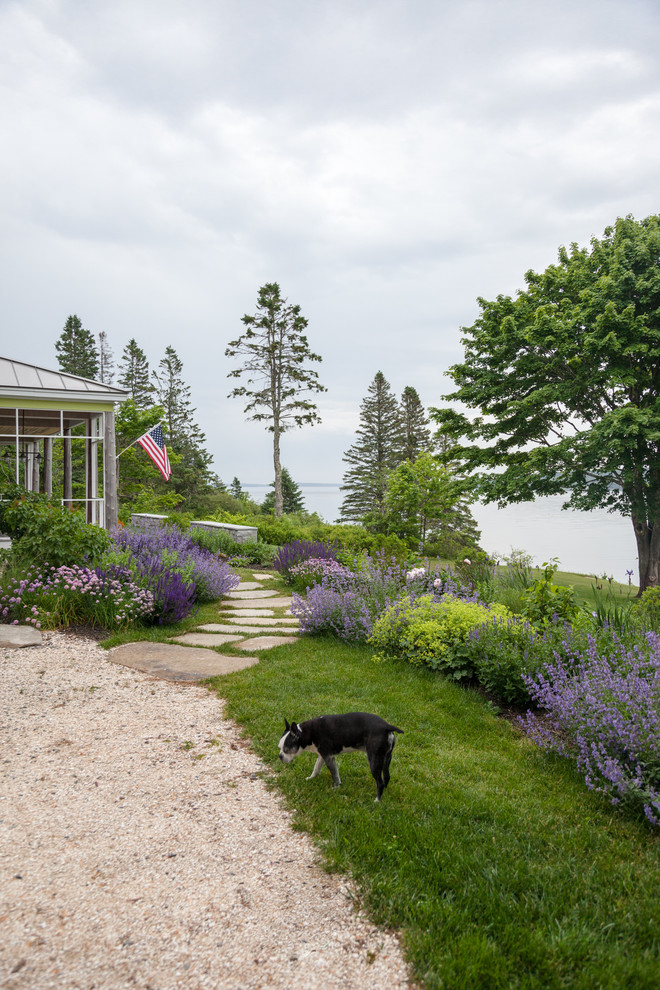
column 432, row 632
column 44, row 532
column 647, row 609
column 544, row 600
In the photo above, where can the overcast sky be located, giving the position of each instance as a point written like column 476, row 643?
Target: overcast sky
column 385, row 162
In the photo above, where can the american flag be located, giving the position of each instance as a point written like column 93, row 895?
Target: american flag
column 154, row 444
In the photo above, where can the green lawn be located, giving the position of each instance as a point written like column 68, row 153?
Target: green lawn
column 497, row 865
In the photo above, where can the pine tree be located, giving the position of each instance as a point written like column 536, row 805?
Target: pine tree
column 235, row 489
column 417, row 435
column 191, row 473
column 134, row 375
column 76, row 350
column 106, row 360
column 376, row 452
column 292, row 497
column 275, row 349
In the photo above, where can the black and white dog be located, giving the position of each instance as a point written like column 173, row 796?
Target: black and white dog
column 330, row 735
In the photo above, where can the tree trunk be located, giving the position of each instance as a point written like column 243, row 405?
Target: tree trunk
column 278, row 471
column 648, row 552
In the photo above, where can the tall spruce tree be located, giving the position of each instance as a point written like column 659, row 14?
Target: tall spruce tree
column 76, row 350
column 106, row 360
column 416, row 431
column 276, row 350
column 374, row 455
column 190, row 472
column 134, row 375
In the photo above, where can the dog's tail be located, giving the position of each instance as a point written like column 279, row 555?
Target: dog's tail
column 393, row 728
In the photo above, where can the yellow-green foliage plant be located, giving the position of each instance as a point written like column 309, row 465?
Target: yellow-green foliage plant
column 433, row 633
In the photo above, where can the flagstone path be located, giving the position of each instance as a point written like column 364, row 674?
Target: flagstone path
column 251, row 618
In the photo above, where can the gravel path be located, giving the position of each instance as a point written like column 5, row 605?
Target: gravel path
column 140, row 848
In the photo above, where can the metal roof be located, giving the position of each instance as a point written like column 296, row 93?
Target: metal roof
column 18, row 378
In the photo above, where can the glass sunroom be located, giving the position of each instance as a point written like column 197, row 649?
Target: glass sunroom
column 57, row 435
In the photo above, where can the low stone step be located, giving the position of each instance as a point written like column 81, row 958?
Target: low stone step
column 272, row 629
column 173, row 662
column 262, row 593
column 17, row 637
column 265, row 642
column 249, row 613
column 254, row 621
column 247, row 586
column 279, row 602
column 205, row 639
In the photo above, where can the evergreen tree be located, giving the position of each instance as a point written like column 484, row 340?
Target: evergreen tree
column 275, row 350
column 235, row 489
column 134, row 375
column 191, row 473
column 76, row 350
column 106, row 360
column 416, row 432
column 292, row 497
column 376, row 452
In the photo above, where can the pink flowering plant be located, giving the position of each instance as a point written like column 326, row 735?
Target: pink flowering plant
column 49, row 597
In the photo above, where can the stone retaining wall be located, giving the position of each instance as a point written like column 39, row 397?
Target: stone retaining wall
column 241, row 534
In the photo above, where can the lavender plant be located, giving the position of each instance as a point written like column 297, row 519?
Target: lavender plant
column 298, row 551
column 347, row 600
column 142, row 547
column 603, row 711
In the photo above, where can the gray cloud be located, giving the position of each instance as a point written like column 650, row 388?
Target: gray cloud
column 385, row 162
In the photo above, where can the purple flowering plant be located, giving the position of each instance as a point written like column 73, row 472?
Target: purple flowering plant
column 157, row 554
column 601, row 708
column 49, row 597
column 297, row 551
column 348, row 599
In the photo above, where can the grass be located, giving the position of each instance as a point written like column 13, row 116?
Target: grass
column 497, row 865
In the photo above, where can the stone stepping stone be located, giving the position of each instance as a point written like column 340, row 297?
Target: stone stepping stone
column 271, row 628
column 265, row 642
column 262, row 593
column 247, row 586
column 261, row 576
column 170, row 662
column 256, row 602
column 250, row 613
column 16, row 637
column 205, row 639
column 254, row 621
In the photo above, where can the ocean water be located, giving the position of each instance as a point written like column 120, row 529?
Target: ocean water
column 595, row 542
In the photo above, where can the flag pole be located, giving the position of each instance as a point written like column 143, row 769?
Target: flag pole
column 138, row 438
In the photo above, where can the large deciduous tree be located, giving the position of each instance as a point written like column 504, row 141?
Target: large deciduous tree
column 276, row 352
column 566, row 378
column 76, row 350
column 377, row 450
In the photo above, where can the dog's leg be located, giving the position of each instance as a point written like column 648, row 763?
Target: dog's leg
column 376, row 767
column 317, row 768
column 331, row 764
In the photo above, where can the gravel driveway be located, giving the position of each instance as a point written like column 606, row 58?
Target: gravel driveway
column 140, row 848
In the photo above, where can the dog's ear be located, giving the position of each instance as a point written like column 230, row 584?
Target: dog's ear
column 287, row 726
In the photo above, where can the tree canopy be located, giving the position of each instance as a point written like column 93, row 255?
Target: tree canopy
column 566, row 379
